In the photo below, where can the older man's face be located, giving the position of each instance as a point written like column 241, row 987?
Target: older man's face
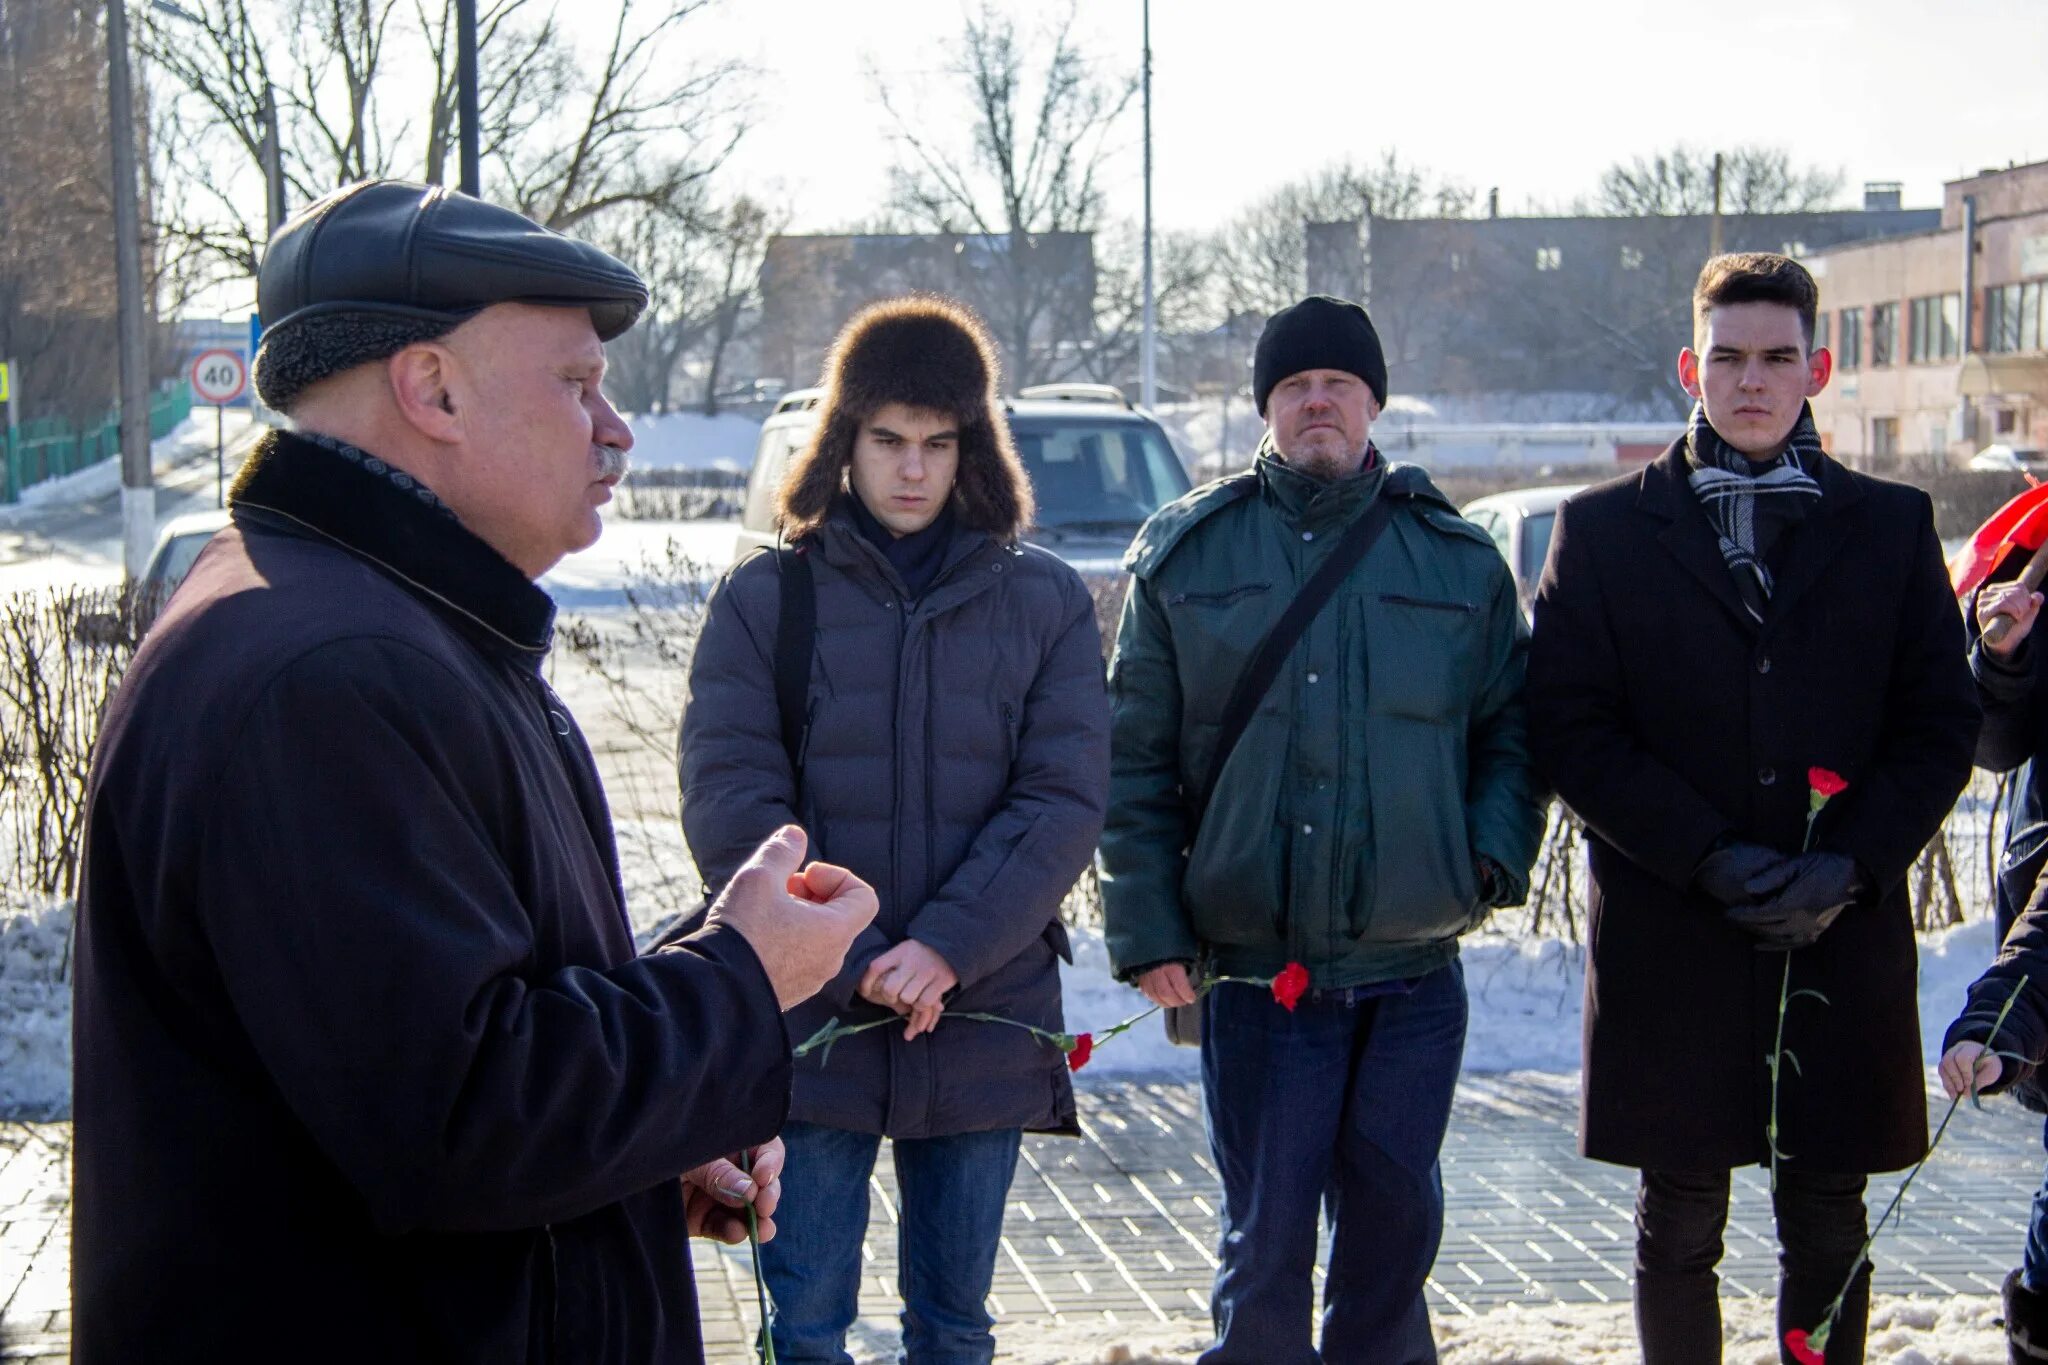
column 543, row 447
column 1321, row 421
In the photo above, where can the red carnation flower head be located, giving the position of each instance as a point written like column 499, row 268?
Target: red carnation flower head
column 1290, row 985
column 1826, row 782
column 1800, row 1343
column 1079, row 1048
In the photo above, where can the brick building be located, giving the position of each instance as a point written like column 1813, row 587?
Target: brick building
column 1939, row 353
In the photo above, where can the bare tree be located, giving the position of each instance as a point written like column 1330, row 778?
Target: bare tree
column 56, row 215
column 1041, row 125
column 703, row 268
column 1187, row 295
column 566, row 134
column 1264, row 249
column 1754, row 179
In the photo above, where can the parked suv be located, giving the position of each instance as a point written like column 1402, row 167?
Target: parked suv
column 1098, row 466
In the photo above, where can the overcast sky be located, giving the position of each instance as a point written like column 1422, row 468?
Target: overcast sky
column 1535, row 99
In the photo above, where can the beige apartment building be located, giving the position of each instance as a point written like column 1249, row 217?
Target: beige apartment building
column 1939, row 354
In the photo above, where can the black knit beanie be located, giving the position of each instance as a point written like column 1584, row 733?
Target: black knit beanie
column 1319, row 333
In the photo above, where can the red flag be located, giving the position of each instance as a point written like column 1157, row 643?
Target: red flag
column 2021, row 523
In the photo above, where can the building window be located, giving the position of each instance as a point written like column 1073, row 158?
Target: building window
column 1931, row 324
column 2008, row 421
column 1850, row 353
column 1884, row 437
column 1884, row 334
column 1820, row 331
column 1631, row 258
column 1549, row 258
column 2012, row 318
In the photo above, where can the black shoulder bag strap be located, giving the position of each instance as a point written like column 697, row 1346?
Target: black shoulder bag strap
column 1264, row 666
column 796, row 625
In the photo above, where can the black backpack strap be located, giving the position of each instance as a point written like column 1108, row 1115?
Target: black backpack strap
column 1264, row 665
column 796, row 626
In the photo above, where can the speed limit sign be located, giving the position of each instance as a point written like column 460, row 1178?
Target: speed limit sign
column 219, row 376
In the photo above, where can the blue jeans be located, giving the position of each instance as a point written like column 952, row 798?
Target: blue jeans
column 952, row 1191
column 2034, row 1261
column 1342, row 1106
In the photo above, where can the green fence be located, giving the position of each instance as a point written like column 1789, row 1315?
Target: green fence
column 50, row 447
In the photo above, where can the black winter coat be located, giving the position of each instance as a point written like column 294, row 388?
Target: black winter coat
column 957, row 759
column 1667, row 719
column 367, row 1068
column 2015, row 696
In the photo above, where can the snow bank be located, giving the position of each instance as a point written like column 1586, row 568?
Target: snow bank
column 35, row 1009
column 690, row 440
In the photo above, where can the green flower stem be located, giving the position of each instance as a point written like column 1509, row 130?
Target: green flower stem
column 765, row 1346
column 1818, row 1338
column 1778, row 1064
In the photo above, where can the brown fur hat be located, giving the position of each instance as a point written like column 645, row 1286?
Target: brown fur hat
column 922, row 351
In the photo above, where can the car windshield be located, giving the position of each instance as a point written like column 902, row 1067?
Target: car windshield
column 1536, row 528
column 1097, row 476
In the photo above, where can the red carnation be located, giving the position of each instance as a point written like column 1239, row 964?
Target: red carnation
column 1077, row 1055
column 1291, row 985
column 1826, row 782
column 1796, row 1340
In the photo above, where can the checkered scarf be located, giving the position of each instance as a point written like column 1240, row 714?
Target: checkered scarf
column 1749, row 510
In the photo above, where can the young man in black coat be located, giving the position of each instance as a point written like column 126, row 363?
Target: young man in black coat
column 2010, row 684
column 1708, row 632
column 367, row 1066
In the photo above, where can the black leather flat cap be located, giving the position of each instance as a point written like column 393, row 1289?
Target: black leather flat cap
column 427, row 252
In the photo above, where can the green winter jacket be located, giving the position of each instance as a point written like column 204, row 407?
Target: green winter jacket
column 1388, row 754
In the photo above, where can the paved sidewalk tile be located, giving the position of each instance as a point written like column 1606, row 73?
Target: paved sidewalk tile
column 1120, row 1226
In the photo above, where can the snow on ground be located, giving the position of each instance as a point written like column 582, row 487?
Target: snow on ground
column 690, row 440
column 1903, row 1331
column 35, row 1008
column 595, row 579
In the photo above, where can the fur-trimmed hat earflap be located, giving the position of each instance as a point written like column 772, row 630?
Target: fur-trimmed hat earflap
column 923, row 351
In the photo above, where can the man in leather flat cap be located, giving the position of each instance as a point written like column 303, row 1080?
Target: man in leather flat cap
column 367, row 1065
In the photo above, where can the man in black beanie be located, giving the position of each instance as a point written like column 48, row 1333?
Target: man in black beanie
column 368, row 1066
column 1318, row 759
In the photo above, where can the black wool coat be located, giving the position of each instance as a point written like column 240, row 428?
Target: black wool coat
column 1667, row 719
column 366, row 1065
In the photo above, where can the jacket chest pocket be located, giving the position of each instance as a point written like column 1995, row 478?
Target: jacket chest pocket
column 1215, row 633
column 1422, row 654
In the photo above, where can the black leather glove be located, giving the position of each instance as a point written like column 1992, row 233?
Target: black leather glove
column 1798, row 900
column 1725, row 873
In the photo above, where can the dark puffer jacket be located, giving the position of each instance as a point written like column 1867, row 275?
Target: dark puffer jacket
column 957, row 760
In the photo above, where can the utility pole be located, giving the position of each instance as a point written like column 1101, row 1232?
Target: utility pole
column 1714, row 229
column 138, row 489
column 1148, row 344
column 1966, row 424
column 465, row 96
column 273, row 165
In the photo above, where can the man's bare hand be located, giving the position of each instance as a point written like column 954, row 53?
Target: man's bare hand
column 911, row 979
column 799, row 920
column 2007, row 599
column 716, row 1195
column 1960, row 1061
column 1168, row 984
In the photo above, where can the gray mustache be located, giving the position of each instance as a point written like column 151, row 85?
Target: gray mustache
column 612, row 462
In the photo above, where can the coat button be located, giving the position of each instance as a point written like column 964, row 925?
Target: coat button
column 1308, row 535
column 1315, row 678
column 1766, row 776
column 1763, row 665
column 1308, row 829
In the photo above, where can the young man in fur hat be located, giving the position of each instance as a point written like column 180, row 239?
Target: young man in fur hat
column 1709, row 631
column 1379, row 802
column 952, row 749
